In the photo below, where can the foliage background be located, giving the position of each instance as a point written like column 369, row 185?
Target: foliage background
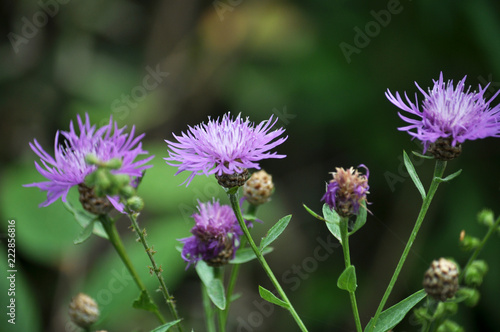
column 256, row 58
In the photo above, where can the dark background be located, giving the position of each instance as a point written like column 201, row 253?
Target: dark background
column 256, row 58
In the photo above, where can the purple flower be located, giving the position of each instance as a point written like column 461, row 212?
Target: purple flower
column 68, row 168
column 346, row 193
column 225, row 146
column 215, row 235
column 449, row 113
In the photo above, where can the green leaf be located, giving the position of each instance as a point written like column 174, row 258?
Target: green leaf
column 423, row 156
column 270, row 297
column 144, row 302
column 391, row 317
column 84, row 219
column 450, row 177
column 332, row 221
column 249, row 217
column 214, row 286
column 347, row 280
column 85, row 233
column 413, row 174
column 165, row 327
column 360, row 220
column 244, row 255
column 312, row 213
column 274, row 232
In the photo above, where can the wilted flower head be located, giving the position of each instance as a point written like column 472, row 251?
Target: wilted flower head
column 68, row 167
column 449, row 116
column 347, row 191
column 224, row 146
column 215, row 235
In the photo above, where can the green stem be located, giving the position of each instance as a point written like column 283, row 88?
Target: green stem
column 209, row 312
column 344, row 235
column 117, row 243
column 219, row 274
column 169, row 299
column 492, row 229
column 438, row 173
column 236, row 208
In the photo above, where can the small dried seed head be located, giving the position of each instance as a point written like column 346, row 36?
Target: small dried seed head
column 83, row 310
column 441, row 279
column 259, row 188
column 442, row 149
column 233, row 180
column 91, row 202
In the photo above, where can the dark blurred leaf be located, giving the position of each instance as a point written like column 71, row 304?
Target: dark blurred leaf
column 144, row 302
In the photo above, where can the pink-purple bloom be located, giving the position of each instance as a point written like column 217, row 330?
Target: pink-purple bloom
column 68, row 167
column 224, row 146
column 449, row 112
column 215, row 236
column 347, row 191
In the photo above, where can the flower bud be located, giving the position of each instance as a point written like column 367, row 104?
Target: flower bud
column 135, row 203
column 449, row 326
column 114, row 163
column 259, row 188
column 475, row 273
column 471, row 295
column 127, row 192
column 468, row 242
column 92, row 159
column 83, row 310
column 441, row 279
column 486, row 218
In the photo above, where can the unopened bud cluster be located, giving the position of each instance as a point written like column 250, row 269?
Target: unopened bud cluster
column 233, row 180
column 441, row 279
column 83, row 310
column 259, row 188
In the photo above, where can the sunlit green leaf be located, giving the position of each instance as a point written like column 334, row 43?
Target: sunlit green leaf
column 332, row 221
column 360, row 220
column 144, row 302
column 347, row 280
column 450, row 177
column 214, row 286
column 413, row 174
column 275, row 231
column 165, row 327
column 85, row 234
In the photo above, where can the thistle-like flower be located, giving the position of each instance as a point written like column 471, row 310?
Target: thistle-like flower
column 215, row 236
column 68, row 167
column 224, row 147
column 346, row 193
column 449, row 116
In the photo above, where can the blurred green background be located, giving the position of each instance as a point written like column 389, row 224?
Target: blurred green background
column 163, row 65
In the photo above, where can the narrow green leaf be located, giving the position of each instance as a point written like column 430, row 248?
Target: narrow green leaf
column 85, row 233
column 413, row 174
column 144, row 302
column 450, row 177
column 270, row 297
column 244, row 255
column 165, row 327
column 347, row 280
column 423, row 156
column 391, row 317
column 332, row 222
column 360, row 220
column 249, row 217
column 84, row 219
column 312, row 213
column 274, row 232
column 214, row 286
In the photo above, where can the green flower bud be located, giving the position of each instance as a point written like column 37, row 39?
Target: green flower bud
column 486, row 217
column 449, row 326
column 475, row 273
column 135, row 203
column 472, row 296
column 127, row 191
column 422, row 315
column 92, row 159
column 469, row 242
column 114, row 163
column 102, row 180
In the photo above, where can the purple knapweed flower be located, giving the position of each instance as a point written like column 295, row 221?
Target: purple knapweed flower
column 449, row 113
column 215, row 236
column 224, row 146
column 68, row 167
column 346, row 192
